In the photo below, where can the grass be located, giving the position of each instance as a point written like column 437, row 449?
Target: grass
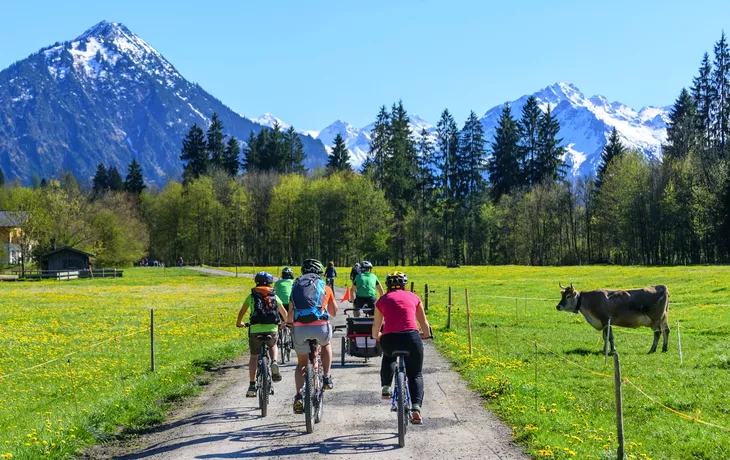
column 97, row 332
column 569, row 410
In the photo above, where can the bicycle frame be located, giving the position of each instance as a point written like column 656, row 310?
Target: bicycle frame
column 401, row 369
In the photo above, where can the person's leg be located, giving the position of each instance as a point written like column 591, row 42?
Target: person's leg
column 273, row 353
column 325, row 338
column 302, row 361
column 414, row 368
column 253, row 345
column 387, row 365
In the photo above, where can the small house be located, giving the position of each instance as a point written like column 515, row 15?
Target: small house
column 11, row 223
column 66, row 258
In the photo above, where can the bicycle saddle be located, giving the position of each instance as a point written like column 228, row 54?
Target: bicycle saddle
column 264, row 337
column 399, row 353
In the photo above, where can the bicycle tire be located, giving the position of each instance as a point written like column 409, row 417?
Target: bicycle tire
column 343, row 352
column 289, row 345
column 309, row 398
column 281, row 342
column 319, row 399
column 402, row 416
column 265, row 389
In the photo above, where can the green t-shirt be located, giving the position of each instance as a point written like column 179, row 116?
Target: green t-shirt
column 366, row 282
column 261, row 328
column 283, row 290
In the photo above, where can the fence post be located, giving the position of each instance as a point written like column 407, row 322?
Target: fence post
column 468, row 319
column 412, row 287
column 535, row 373
column 606, row 342
column 496, row 332
column 426, row 299
column 152, row 339
column 679, row 343
column 448, row 318
column 619, row 406
column 236, row 271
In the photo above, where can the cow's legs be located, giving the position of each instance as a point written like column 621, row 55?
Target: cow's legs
column 666, row 338
column 606, row 339
column 657, row 334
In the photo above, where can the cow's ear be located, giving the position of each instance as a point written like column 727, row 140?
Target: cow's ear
column 562, row 292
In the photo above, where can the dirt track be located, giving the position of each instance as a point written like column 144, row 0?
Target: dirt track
column 222, row 423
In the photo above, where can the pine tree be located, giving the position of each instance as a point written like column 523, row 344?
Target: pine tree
column 134, row 182
column 2, row 178
column 472, row 158
column 44, row 183
column 682, row 132
column 251, row 157
column 529, row 128
column 613, row 149
column 231, row 163
column 339, row 157
column 215, row 142
column 379, row 146
column 101, row 180
column 549, row 164
column 292, row 152
column 114, row 180
column 702, row 93
column 273, row 158
column 721, row 107
column 426, row 164
column 447, row 143
column 504, row 166
column 194, row 154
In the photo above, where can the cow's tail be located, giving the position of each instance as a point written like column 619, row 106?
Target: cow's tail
column 665, row 296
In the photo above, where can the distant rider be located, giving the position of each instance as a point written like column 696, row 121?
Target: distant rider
column 283, row 286
column 330, row 274
column 401, row 311
column 312, row 303
column 364, row 289
column 267, row 313
column 354, row 272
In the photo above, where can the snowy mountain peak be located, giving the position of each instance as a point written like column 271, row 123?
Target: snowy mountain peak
column 105, row 29
column 270, row 120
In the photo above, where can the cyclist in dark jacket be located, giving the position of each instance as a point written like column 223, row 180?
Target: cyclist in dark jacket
column 330, row 274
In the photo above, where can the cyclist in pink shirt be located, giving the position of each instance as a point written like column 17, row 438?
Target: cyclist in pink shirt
column 401, row 312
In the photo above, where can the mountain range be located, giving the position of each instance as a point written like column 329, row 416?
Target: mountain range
column 108, row 96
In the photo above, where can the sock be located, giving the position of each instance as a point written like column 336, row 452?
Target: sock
column 252, row 383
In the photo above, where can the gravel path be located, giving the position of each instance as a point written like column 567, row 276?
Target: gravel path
column 222, row 423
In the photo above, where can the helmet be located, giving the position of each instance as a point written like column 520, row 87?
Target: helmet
column 366, row 265
column 263, row 279
column 312, row 266
column 287, row 273
column 396, row 280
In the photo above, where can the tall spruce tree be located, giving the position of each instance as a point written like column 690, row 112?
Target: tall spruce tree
column 472, row 159
column 114, row 180
column 447, row 156
column 100, row 183
column 549, row 164
column 529, row 126
column 682, row 132
column 721, row 107
column 504, row 166
column 134, row 182
column 703, row 95
column 215, row 142
column 2, row 178
column 426, row 165
column 251, row 157
column 292, row 152
column 613, row 149
column 273, row 158
column 339, row 157
column 379, row 146
column 231, row 164
column 194, row 154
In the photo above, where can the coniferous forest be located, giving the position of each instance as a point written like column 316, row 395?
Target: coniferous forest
column 444, row 198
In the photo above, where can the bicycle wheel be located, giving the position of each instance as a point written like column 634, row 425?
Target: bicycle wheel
column 265, row 387
column 289, row 344
column 309, row 398
column 319, row 399
column 343, row 352
column 281, row 343
column 402, row 416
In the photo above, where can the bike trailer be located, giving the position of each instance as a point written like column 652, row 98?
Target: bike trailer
column 360, row 343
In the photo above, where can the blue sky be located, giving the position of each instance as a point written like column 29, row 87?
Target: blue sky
column 312, row 62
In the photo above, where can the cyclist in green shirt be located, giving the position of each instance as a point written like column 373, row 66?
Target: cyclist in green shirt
column 284, row 285
column 267, row 313
column 364, row 289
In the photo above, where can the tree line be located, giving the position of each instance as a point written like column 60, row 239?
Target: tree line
column 445, row 196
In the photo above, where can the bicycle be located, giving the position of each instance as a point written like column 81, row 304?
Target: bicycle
column 331, row 283
column 313, row 387
column 285, row 343
column 264, row 382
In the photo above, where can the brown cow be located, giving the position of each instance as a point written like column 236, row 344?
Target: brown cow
column 632, row 308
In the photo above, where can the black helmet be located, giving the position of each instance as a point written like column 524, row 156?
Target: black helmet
column 287, row 273
column 312, row 266
column 366, row 265
column 263, row 279
column 396, row 280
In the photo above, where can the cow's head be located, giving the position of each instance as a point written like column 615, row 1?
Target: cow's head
column 569, row 299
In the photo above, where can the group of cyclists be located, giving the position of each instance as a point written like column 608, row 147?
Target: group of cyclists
column 305, row 304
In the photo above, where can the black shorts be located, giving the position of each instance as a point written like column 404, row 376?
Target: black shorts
column 254, row 344
column 364, row 302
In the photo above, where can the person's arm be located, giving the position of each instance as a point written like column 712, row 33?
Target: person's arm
column 332, row 303
column 352, row 291
column 241, row 313
column 379, row 287
column 282, row 311
column 423, row 321
column 377, row 322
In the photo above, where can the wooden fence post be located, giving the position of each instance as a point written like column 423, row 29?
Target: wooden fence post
column 412, row 287
column 448, row 318
column 468, row 319
column 679, row 343
column 426, row 299
column 152, row 339
column 619, row 406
